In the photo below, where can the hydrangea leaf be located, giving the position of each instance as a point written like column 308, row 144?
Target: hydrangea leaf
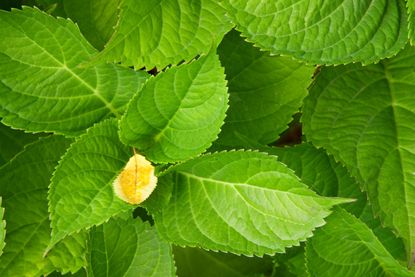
column 42, row 87
column 321, row 173
column 81, row 193
column 323, row 32
column 156, row 33
column 265, row 91
column 329, row 178
column 239, row 202
column 347, row 247
column 198, row 262
column 178, row 113
column 23, row 185
column 128, row 247
column 95, row 18
column 364, row 117
column 12, row 142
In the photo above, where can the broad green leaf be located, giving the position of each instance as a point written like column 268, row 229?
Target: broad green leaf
column 128, row 247
column 157, row 33
column 321, row 173
column 81, row 193
column 198, row 262
column 329, row 178
column 364, row 117
column 2, row 228
column 179, row 113
column 265, row 91
column 239, row 202
column 23, row 186
column 95, row 18
column 347, row 247
column 42, row 87
column 323, row 32
column 12, row 142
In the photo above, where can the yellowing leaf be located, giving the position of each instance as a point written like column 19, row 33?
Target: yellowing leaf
column 137, row 180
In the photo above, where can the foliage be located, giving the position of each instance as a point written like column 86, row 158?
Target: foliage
column 209, row 92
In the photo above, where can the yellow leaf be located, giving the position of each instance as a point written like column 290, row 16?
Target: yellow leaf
column 137, row 180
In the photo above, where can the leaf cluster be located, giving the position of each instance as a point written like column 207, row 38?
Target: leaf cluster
column 209, row 92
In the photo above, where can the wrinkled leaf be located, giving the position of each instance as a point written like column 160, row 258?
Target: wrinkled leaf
column 42, row 87
column 179, row 113
column 238, row 202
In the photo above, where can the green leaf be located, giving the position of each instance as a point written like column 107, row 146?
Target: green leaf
column 81, row 193
column 42, row 88
column 198, row 262
column 23, row 186
column 157, row 33
column 2, row 228
column 265, row 91
column 329, row 178
column 12, row 142
column 323, row 32
column 321, row 173
column 128, row 247
column 364, row 117
column 347, row 247
column 179, row 113
column 239, row 202
column 95, row 18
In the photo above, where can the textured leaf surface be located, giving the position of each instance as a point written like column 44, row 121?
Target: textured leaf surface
column 264, row 91
column 179, row 113
column 323, row 32
column 81, row 193
column 329, row 178
column 239, row 202
column 364, row 116
column 198, row 262
column 23, row 186
column 347, row 247
column 96, row 18
column 321, row 173
column 156, row 33
column 12, row 142
column 128, row 247
column 41, row 86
